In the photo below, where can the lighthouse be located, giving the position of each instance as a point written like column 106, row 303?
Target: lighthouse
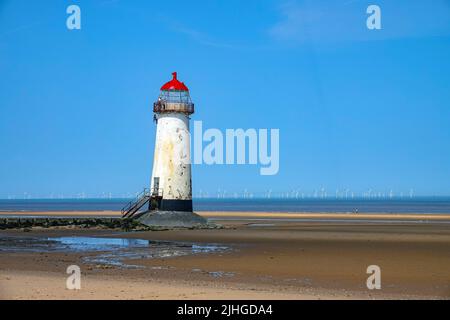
column 170, row 195
column 171, row 182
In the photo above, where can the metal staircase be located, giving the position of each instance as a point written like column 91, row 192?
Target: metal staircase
column 153, row 196
column 134, row 205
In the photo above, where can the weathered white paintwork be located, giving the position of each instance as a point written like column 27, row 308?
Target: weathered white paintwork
column 171, row 161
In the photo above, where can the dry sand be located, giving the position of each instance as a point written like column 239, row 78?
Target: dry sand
column 317, row 256
column 246, row 215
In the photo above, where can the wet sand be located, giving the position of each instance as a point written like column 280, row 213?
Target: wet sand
column 272, row 256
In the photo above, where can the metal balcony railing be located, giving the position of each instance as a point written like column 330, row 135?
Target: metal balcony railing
column 162, row 106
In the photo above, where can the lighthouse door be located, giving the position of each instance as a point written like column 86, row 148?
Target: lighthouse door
column 155, row 185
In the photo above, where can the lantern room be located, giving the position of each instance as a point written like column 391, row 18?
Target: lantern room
column 174, row 97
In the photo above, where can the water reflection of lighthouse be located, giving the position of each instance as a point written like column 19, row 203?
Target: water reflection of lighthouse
column 171, row 185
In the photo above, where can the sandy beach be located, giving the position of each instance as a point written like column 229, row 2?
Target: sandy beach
column 269, row 256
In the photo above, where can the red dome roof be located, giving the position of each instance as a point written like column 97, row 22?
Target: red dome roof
column 174, row 84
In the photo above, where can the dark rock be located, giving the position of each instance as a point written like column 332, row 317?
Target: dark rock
column 173, row 219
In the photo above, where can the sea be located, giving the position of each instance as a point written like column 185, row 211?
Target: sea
column 419, row 205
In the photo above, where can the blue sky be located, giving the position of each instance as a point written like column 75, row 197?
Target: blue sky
column 356, row 108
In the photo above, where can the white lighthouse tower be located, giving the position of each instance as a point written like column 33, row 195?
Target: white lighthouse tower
column 170, row 194
column 171, row 183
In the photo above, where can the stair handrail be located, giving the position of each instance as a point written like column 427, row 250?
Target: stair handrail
column 133, row 202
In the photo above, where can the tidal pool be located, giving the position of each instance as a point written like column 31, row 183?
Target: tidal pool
column 108, row 251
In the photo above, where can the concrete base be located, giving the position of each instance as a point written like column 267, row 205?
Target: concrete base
column 172, row 219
